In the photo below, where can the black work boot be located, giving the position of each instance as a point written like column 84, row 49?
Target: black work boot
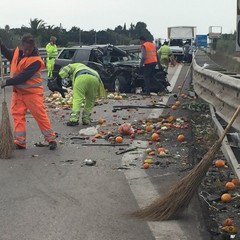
column 72, row 123
column 19, row 147
column 52, row 145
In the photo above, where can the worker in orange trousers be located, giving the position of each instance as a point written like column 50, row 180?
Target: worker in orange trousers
column 25, row 77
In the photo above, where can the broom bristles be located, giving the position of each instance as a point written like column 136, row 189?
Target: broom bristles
column 172, row 203
column 6, row 136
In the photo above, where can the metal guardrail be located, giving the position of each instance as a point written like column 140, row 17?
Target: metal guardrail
column 221, row 89
column 217, row 86
column 6, row 63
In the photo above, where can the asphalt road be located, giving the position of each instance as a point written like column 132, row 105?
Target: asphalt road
column 53, row 195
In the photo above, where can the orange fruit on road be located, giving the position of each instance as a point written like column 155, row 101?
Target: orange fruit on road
column 155, row 136
column 146, row 165
column 219, row 163
column 161, row 149
column 181, row 138
column 230, row 185
column 226, row 197
column 177, row 103
column 118, row 97
column 118, row 139
column 101, row 120
column 173, row 107
column 149, row 128
column 228, row 222
column 151, row 153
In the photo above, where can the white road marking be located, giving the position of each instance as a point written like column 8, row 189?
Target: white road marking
column 174, row 78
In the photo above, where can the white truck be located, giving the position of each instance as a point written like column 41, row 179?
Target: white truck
column 178, row 36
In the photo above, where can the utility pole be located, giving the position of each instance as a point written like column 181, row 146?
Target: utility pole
column 238, row 27
column 80, row 38
column 95, row 41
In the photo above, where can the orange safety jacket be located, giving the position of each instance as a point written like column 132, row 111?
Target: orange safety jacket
column 151, row 55
column 32, row 85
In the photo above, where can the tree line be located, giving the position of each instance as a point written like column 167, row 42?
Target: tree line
column 121, row 35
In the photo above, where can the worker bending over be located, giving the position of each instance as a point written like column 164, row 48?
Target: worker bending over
column 87, row 85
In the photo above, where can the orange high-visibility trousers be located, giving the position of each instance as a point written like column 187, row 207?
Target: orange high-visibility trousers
column 34, row 103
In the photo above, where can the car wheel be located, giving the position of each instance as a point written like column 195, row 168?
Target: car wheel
column 121, row 84
column 66, row 82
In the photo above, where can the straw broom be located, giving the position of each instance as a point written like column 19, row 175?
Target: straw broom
column 171, row 204
column 6, row 137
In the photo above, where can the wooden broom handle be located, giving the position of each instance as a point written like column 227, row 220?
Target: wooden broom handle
column 229, row 124
column 2, row 75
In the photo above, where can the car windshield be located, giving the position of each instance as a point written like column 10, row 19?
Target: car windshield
column 176, row 42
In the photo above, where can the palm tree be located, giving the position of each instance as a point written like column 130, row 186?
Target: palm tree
column 36, row 26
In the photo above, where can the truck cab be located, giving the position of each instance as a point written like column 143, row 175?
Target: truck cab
column 177, row 37
column 176, row 46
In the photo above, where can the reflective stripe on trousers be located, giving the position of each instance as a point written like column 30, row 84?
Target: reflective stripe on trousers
column 20, row 138
column 74, row 116
column 50, row 66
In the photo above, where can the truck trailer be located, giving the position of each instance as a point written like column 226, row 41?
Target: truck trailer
column 177, row 38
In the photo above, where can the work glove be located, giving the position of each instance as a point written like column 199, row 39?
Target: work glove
column 53, row 86
column 62, row 91
column 3, row 83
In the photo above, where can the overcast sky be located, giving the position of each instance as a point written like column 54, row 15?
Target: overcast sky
column 103, row 14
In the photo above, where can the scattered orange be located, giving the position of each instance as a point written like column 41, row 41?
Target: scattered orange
column 101, row 120
column 228, row 222
column 151, row 153
column 226, row 197
column 219, row 163
column 98, row 135
column 118, row 139
column 118, row 97
column 149, row 128
column 161, row 149
column 179, row 87
column 148, row 150
column 230, row 185
column 146, row 165
column 235, row 181
column 173, row 107
column 181, row 138
column 177, row 103
column 155, row 136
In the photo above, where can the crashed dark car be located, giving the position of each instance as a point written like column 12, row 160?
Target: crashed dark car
column 118, row 67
